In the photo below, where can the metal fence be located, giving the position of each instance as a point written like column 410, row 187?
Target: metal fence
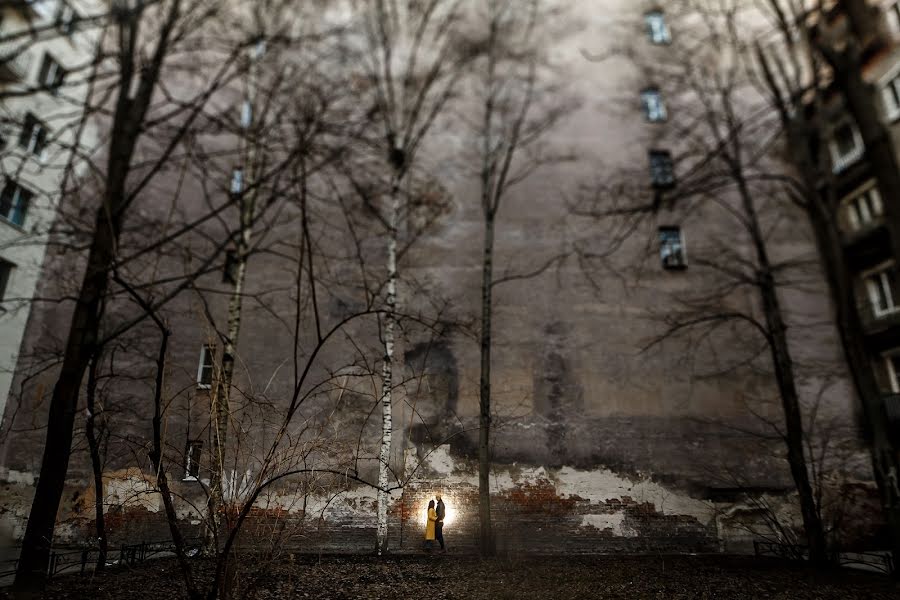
column 873, row 561
column 84, row 560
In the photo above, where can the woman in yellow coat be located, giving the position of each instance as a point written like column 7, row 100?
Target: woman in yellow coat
column 429, row 528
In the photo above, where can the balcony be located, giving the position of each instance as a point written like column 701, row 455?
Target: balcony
column 866, row 246
column 15, row 61
column 882, row 328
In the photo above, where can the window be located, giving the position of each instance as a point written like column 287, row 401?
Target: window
column 893, row 16
column 52, row 74
column 662, row 169
column 34, row 136
column 6, row 269
column 671, row 248
column 14, row 201
column 205, row 368
column 237, row 181
column 846, row 146
column 66, row 18
column 881, row 287
column 229, row 272
column 863, row 207
column 657, row 28
column 192, row 460
column 893, row 369
column 654, row 109
column 891, row 96
column 246, row 114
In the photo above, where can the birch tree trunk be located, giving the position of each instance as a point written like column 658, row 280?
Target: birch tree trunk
column 387, row 371
column 220, row 401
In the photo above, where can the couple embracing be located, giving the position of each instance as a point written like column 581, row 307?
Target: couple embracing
column 434, row 530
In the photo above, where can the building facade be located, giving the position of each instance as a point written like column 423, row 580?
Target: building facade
column 606, row 436
column 45, row 48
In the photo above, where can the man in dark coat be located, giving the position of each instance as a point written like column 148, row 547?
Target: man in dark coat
column 439, row 524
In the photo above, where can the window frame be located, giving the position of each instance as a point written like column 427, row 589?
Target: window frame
column 873, row 205
column 893, row 17
column 840, row 162
column 657, row 28
column 36, row 142
column 6, row 272
column 206, row 351
column 246, row 118
column 668, row 166
column 651, row 97
column 192, row 465
column 680, row 250
column 890, row 95
column 229, row 274
column 237, row 181
column 17, row 204
column 66, row 18
column 59, row 74
column 875, row 280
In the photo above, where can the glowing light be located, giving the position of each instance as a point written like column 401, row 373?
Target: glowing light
column 449, row 512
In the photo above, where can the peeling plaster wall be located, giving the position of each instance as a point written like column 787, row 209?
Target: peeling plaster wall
column 597, row 446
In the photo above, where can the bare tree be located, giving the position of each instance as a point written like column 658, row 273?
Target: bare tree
column 795, row 81
column 727, row 165
column 413, row 67
column 517, row 109
column 137, row 63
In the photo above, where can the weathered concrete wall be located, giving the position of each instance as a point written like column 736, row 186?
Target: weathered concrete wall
column 598, row 446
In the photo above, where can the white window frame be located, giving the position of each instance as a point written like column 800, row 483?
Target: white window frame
column 66, row 17
column 53, row 74
column 246, row 114
column 841, row 162
column 657, row 28
column 890, row 94
column 206, row 350
column 893, row 17
column 875, row 281
column 187, row 461
column 683, row 243
column 893, row 374
column 237, row 181
column 653, row 104
column 854, row 209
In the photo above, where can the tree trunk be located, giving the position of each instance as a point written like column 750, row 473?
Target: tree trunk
column 486, row 538
column 96, row 463
column 31, row 571
column 220, row 408
column 220, row 401
column 128, row 118
column 387, row 372
column 162, row 482
column 787, row 386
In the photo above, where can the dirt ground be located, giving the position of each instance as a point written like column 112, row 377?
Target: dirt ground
column 445, row 577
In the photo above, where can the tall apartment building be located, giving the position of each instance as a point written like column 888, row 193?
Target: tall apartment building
column 598, row 445
column 867, row 243
column 41, row 42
